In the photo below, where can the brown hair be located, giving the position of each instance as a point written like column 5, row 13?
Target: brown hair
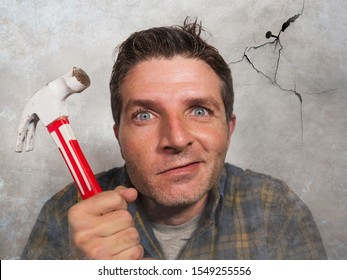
column 167, row 42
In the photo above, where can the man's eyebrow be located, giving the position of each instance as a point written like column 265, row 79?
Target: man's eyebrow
column 144, row 103
column 203, row 101
column 189, row 102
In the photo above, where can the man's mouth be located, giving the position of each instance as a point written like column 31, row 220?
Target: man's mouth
column 182, row 168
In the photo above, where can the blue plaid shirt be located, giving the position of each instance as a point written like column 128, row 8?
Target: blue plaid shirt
column 248, row 216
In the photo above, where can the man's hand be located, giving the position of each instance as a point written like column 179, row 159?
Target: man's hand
column 101, row 227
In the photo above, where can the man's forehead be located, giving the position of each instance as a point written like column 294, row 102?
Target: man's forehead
column 177, row 67
column 170, row 75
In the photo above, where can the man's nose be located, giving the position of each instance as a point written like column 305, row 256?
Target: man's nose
column 175, row 134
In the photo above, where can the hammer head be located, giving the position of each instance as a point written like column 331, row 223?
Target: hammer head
column 48, row 104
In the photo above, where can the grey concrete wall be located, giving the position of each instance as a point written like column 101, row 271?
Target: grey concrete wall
column 304, row 144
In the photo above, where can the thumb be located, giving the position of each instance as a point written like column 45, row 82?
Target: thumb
column 129, row 194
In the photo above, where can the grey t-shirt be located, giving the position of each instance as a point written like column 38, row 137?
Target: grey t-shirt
column 172, row 239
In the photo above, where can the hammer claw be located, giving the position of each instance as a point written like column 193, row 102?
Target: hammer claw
column 30, row 136
column 22, row 132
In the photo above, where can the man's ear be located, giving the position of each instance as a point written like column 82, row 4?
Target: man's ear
column 116, row 134
column 116, row 131
column 231, row 126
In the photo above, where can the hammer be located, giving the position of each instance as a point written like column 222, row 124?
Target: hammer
column 49, row 105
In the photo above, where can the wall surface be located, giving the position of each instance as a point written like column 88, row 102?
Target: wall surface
column 291, row 95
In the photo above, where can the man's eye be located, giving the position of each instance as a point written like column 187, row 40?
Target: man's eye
column 200, row 112
column 144, row 116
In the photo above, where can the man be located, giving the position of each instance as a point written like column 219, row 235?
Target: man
column 172, row 103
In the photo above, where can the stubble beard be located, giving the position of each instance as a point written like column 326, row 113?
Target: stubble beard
column 159, row 197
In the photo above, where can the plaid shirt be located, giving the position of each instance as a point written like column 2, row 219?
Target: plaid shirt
column 249, row 216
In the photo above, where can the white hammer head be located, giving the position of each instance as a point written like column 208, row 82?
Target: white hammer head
column 48, row 104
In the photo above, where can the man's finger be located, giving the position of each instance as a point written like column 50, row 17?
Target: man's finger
column 133, row 253
column 113, row 222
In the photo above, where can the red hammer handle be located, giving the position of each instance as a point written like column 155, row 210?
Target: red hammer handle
column 69, row 148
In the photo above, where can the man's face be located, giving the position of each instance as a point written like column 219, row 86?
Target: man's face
column 173, row 131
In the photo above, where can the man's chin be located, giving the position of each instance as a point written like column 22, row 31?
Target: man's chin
column 177, row 201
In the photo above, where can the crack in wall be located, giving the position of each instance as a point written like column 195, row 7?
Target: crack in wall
column 278, row 47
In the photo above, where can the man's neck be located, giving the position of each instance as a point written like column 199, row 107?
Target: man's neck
column 178, row 215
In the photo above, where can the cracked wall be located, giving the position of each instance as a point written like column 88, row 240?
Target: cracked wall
column 291, row 101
